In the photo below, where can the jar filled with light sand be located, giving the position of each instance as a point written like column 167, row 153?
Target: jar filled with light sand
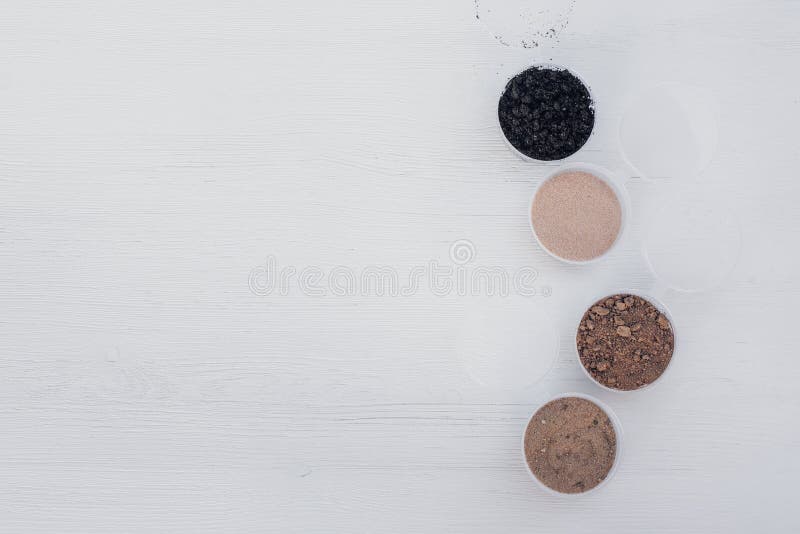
column 578, row 213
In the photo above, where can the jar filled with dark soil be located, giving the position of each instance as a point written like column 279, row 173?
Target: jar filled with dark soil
column 625, row 342
column 546, row 113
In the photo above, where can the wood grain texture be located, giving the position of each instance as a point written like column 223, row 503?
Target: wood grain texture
column 153, row 153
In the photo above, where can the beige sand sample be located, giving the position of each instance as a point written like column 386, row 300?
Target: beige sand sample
column 576, row 216
column 570, row 445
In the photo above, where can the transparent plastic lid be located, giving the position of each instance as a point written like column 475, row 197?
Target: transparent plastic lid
column 507, row 343
column 525, row 23
column 693, row 243
column 669, row 131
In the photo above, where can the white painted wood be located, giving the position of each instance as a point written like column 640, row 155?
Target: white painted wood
column 153, row 153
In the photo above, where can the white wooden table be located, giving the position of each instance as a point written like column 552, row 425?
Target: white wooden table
column 153, row 154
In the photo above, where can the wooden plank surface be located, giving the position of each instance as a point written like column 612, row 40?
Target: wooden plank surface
column 153, row 155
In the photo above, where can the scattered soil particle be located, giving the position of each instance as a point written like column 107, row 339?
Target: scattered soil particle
column 575, row 449
column 629, row 347
column 546, row 113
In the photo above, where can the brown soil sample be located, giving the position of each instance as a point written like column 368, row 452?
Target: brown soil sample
column 625, row 342
column 570, row 445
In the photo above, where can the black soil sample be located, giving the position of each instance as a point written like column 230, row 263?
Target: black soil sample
column 546, row 114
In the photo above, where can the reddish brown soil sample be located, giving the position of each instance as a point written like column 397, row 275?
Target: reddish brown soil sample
column 570, row 445
column 625, row 342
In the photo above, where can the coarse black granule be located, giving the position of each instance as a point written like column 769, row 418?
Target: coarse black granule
column 546, row 113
